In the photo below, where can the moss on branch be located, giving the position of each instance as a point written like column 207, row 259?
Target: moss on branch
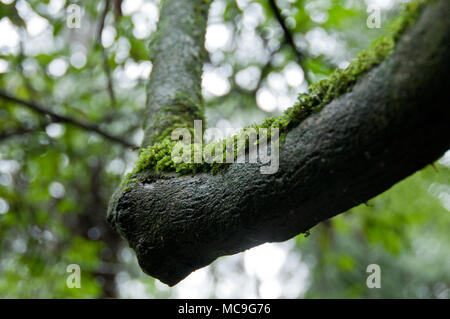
column 157, row 158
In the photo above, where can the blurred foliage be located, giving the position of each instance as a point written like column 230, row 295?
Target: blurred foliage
column 404, row 231
column 56, row 179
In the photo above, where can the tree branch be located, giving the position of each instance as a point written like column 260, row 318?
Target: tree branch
column 174, row 91
column 20, row 131
column 392, row 123
column 64, row 119
column 106, row 67
column 287, row 33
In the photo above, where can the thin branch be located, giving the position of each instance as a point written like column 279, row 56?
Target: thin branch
column 64, row 119
column 290, row 39
column 106, row 67
column 266, row 68
column 287, row 33
column 21, row 58
column 20, row 132
column 117, row 9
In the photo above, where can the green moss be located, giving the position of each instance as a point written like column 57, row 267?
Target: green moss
column 157, row 157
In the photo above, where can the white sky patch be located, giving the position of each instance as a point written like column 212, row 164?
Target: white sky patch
column 116, row 166
column 343, row 65
column 382, row 4
column 278, row 59
column 319, row 16
column 277, row 93
column 216, row 11
column 9, row 39
column 215, row 81
column 36, row 25
column 320, row 42
column 130, row 6
column 57, row 67
column 232, row 281
column 145, row 68
column 34, row 22
column 44, row 43
column 253, row 16
column 3, row 66
column 277, row 82
column 30, row 67
column 126, row 255
column 64, row 162
column 122, row 79
column 248, row 78
column 4, row 206
column 290, row 22
column 218, row 36
column 250, row 47
column 55, row 130
column 318, row 10
column 285, row 101
column 445, row 160
column 242, row 4
column 9, row 166
column 266, row 100
column 54, row 7
column 270, row 289
column 294, row 75
column 78, row 59
column 5, row 179
column 122, row 47
column 134, row 71
column 131, row 288
column 442, row 192
column 137, row 138
column 197, row 285
column 108, row 36
column 144, row 20
column 267, row 271
column 264, row 261
column 57, row 190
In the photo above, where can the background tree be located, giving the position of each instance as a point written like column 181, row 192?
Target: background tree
column 56, row 176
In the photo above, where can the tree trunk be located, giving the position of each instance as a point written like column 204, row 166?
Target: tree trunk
column 393, row 122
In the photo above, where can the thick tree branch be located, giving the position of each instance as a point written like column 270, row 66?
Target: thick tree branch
column 64, row 119
column 177, row 52
column 393, row 122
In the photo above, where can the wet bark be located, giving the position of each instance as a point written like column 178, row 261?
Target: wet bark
column 394, row 122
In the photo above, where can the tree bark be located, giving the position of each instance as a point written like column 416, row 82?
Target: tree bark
column 177, row 53
column 392, row 123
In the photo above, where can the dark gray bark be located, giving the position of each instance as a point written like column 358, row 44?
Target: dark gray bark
column 393, row 123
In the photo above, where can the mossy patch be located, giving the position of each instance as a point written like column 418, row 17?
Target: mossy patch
column 158, row 157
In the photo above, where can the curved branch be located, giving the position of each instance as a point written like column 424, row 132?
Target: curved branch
column 392, row 123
